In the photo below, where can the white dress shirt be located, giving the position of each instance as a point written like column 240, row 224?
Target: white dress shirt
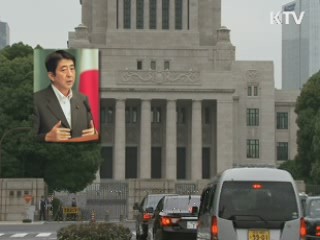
column 64, row 103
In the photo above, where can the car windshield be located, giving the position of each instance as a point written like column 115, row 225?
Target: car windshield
column 314, row 208
column 262, row 201
column 181, row 204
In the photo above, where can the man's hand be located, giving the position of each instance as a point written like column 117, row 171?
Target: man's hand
column 90, row 131
column 58, row 133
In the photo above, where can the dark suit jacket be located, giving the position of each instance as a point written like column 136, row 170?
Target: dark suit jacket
column 48, row 112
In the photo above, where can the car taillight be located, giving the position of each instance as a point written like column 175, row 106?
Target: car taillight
column 318, row 231
column 168, row 221
column 303, row 228
column 214, row 228
column 147, row 216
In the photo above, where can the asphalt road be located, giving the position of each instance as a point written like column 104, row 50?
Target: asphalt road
column 38, row 230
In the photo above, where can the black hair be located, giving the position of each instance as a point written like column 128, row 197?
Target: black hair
column 55, row 57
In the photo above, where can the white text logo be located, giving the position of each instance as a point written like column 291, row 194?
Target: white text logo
column 284, row 17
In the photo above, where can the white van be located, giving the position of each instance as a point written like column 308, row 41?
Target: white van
column 251, row 204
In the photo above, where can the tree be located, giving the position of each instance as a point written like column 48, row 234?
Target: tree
column 68, row 167
column 308, row 138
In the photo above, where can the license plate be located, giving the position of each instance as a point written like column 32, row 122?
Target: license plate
column 191, row 225
column 259, row 235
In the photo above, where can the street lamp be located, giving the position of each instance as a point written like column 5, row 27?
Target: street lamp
column 17, row 129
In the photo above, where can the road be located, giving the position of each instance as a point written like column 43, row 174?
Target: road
column 38, row 230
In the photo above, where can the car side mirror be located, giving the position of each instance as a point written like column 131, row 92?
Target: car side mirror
column 194, row 210
column 150, row 210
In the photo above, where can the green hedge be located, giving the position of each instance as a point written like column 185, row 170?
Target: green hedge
column 96, row 231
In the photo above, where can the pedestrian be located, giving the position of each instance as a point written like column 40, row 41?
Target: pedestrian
column 42, row 208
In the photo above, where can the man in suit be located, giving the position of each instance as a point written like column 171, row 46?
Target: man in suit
column 61, row 113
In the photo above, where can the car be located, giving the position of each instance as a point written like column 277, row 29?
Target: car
column 176, row 217
column 249, row 204
column 144, row 217
column 312, row 217
column 303, row 198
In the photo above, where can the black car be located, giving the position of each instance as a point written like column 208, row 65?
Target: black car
column 312, row 217
column 144, row 218
column 176, row 217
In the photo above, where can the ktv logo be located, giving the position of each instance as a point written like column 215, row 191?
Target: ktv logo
column 286, row 17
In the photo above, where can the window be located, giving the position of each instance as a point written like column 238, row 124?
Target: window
column 107, row 163
column 117, row 17
column 156, row 162
column 19, row 194
column 156, row 114
column 249, row 91
column 274, row 201
column 165, row 14
column 181, row 163
column 252, row 117
column 252, row 148
column 103, row 115
column 131, row 114
column 207, row 115
column 110, row 115
column 139, row 65
column 131, row 162
column 252, row 90
column 181, row 115
column 127, row 14
column 282, row 120
column 153, row 65
column 166, row 65
column 178, row 14
column 282, row 151
column 153, row 14
column 139, row 14
column 206, row 163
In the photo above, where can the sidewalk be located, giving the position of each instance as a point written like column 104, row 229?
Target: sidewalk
column 21, row 223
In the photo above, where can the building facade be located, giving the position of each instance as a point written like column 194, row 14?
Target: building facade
column 300, row 44
column 175, row 103
column 4, row 34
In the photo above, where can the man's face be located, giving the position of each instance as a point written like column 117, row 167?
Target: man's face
column 64, row 77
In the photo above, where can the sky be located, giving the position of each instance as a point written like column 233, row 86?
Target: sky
column 47, row 23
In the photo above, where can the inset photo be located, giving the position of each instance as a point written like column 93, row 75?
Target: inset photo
column 66, row 95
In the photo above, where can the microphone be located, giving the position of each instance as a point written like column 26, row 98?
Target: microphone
column 89, row 111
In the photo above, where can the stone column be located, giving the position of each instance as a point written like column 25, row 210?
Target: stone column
column 185, row 15
column 196, row 140
column 119, row 159
column 224, row 134
column 159, row 14
column 87, row 14
column 99, row 21
column 172, row 14
column 145, row 140
column 146, row 13
column 133, row 14
column 193, row 15
column 171, row 141
column 121, row 5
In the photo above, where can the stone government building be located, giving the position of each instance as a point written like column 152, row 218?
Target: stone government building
column 175, row 103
